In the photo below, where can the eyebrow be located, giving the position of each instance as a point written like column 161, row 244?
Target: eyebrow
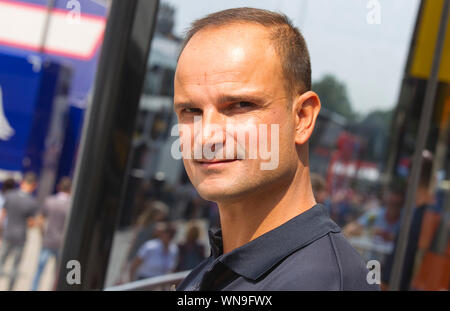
column 179, row 106
column 222, row 100
column 240, row 98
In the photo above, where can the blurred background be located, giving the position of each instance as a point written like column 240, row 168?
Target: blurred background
column 86, row 172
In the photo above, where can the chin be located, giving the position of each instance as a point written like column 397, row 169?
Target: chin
column 233, row 192
column 217, row 192
column 211, row 193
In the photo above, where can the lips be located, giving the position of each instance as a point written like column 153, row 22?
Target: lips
column 215, row 163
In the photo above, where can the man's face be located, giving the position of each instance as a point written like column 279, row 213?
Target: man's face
column 228, row 82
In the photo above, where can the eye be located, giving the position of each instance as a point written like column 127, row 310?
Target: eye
column 191, row 110
column 243, row 105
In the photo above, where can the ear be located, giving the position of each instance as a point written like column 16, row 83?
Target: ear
column 306, row 108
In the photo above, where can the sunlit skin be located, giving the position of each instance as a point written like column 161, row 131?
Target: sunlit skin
column 232, row 75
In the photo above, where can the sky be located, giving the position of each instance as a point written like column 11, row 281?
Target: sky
column 369, row 58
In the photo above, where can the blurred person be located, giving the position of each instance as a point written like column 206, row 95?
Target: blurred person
column 380, row 224
column 341, row 206
column 154, row 212
column 51, row 221
column 20, row 208
column 319, row 187
column 8, row 185
column 196, row 208
column 383, row 222
column 373, row 201
column 157, row 256
column 191, row 252
column 424, row 199
column 273, row 235
column 433, row 267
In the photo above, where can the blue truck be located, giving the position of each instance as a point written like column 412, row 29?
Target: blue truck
column 48, row 57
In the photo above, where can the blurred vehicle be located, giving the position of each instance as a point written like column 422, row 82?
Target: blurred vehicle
column 45, row 82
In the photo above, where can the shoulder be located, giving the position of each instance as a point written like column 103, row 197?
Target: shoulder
column 173, row 248
column 312, row 267
column 352, row 266
column 10, row 195
column 150, row 245
column 154, row 243
column 328, row 263
column 48, row 203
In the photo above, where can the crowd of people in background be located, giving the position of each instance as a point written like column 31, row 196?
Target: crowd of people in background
column 19, row 210
column 153, row 251
column 372, row 222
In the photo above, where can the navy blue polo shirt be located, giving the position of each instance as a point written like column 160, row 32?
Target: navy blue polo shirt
column 306, row 253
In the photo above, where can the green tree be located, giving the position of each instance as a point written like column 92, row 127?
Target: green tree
column 334, row 97
column 381, row 119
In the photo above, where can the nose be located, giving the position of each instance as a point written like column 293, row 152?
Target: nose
column 212, row 133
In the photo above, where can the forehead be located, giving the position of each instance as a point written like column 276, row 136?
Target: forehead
column 240, row 53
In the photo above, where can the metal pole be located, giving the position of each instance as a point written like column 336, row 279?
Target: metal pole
column 423, row 130
column 105, row 146
column 398, row 122
column 50, row 6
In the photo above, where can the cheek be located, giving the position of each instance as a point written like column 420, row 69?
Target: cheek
column 271, row 132
column 189, row 169
column 284, row 132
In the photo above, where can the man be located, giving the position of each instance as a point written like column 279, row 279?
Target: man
column 424, row 199
column 8, row 185
column 51, row 220
column 191, row 252
column 157, row 256
column 20, row 207
column 240, row 70
column 382, row 222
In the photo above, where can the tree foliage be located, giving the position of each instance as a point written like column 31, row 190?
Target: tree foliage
column 334, row 97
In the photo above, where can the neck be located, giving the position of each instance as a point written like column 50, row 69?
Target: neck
column 244, row 220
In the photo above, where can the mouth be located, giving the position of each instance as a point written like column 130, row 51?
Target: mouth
column 214, row 163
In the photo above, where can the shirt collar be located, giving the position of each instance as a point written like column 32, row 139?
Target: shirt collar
column 255, row 258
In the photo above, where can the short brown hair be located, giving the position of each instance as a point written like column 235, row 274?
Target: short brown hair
column 8, row 184
column 287, row 40
column 30, row 178
column 65, row 184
